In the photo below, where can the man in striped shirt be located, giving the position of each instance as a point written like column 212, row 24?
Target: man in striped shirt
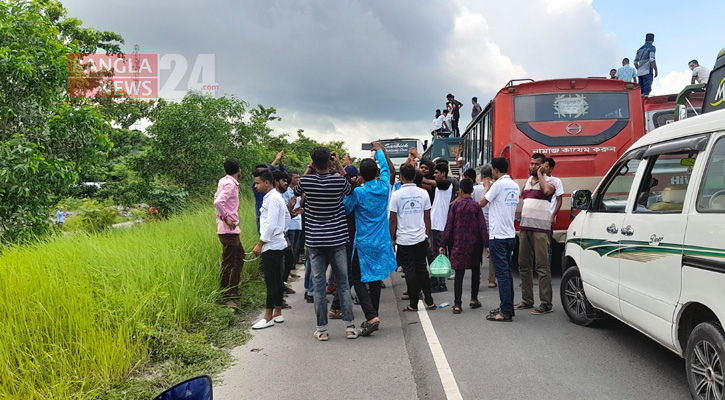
column 326, row 234
column 534, row 236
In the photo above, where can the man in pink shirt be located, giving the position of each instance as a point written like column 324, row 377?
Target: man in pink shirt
column 226, row 202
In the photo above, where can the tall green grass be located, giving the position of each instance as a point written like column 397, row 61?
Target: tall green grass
column 82, row 311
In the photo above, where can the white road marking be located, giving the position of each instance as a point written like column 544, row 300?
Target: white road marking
column 444, row 370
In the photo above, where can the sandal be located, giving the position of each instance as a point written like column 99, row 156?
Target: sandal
column 321, row 336
column 475, row 304
column 432, row 306
column 409, row 308
column 368, row 328
column 492, row 285
column 457, row 309
column 495, row 318
column 335, row 314
column 522, row 306
column 541, row 310
column 352, row 332
column 495, row 311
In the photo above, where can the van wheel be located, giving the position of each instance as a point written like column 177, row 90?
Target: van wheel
column 704, row 361
column 573, row 299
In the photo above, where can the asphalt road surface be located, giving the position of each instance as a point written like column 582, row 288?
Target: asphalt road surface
column 439, row 355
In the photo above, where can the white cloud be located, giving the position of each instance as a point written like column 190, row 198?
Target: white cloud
column 671, row 83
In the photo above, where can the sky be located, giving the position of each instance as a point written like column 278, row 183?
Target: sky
column 361, row 70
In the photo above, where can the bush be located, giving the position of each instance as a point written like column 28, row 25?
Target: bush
column 165, row 200
column 91, row 216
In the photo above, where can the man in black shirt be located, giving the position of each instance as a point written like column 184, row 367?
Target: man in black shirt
column 454, row 106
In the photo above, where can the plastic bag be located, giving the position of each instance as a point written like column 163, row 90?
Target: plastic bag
column 440, row 267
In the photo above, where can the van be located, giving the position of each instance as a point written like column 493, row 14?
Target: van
column 648, row 246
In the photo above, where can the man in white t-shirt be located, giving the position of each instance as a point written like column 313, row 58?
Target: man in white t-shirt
column 700, row 74
column 436, row 126
column 438, row 217
column 503, row 196
column 410, row 228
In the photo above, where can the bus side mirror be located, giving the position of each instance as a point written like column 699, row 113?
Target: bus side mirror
column 680, row 112
column 580, row 200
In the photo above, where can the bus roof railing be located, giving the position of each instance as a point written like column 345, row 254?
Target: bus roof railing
column 512, row 81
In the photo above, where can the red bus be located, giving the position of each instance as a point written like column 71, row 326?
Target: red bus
column 584, row 124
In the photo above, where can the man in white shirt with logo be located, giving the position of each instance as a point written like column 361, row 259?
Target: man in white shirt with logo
column 273, row 221
column 410, row 229
column 503, row 196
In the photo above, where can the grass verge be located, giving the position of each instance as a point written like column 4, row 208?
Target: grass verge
column 122, row 314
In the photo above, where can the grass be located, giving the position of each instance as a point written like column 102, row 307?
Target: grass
column 119, row 314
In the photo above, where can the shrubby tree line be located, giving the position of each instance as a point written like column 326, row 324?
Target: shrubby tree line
column 51, row 144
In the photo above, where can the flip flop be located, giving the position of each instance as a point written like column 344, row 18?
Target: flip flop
column 431, row 306
column 492, row 317
column 409, row 308
column 475, row 304
column 494, row 285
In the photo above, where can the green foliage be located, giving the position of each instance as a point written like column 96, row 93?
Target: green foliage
column 92, row 216
column 80, row 315
column 28, row 186
column 166, row 200
column 190, row 140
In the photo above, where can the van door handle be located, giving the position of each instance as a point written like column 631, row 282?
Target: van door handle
column 612, row 229
column 627, row 230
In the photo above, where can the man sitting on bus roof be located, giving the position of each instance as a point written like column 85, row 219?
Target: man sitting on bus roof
column 700, row 74
column 436, row 126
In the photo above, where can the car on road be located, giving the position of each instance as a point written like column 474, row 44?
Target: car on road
column 648, row 246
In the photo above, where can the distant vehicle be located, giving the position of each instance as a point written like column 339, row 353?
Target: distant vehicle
column 446, row 148
column 647, row 246
column 397, row 148
column 585, row 124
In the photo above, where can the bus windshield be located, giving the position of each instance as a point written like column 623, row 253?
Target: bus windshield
column 570, row 107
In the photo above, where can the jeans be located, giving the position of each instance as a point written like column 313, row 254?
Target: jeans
column 645, row 83
column 232, row 263
column 533, row 253
column 412, row 259
column 272, row 266
column 501, row 256
column 309, row 284
column 458, row 283
column 337, row 258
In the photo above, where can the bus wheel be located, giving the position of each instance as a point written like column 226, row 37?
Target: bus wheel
column 704, row 361
column 573, row 299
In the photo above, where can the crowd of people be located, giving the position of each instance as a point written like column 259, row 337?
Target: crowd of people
column 357, row 225
column 445, row 124
column 645, row 68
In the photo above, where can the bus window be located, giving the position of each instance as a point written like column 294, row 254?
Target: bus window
column 570, row 107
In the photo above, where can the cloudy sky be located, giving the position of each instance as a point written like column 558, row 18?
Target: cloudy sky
column 361, row 70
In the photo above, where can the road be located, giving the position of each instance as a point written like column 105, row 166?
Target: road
column 534, row 357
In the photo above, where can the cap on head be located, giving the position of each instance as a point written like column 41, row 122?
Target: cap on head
column 351, row 170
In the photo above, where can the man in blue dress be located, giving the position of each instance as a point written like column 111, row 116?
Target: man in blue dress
column 373, row 258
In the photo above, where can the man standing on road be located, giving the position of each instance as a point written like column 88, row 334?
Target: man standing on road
column 373, row 258
column 273, row 220
column 646, row 64
column 438, row 218
column 281, row 184
column 700, row 74
column 326, row 235
column 410, row 228
column 503, row 195
column 626, row 72
column 534, row 236
column 476, row 196
column 226, row 202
